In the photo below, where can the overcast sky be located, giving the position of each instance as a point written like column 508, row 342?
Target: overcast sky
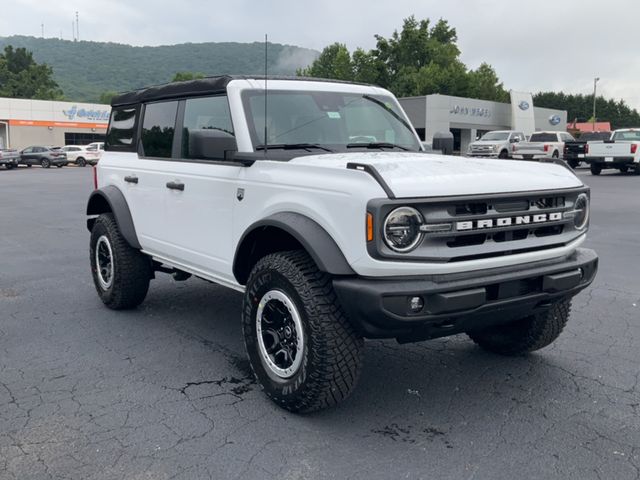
column 534, row 45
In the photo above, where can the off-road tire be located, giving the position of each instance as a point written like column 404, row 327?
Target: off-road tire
column 131, row 269
column 595, row 169
column 503, row 154
column 333, row 351
column 555, row 154
column 45, row 163
column 526, row 335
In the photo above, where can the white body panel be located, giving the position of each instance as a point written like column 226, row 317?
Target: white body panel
column 198, row 229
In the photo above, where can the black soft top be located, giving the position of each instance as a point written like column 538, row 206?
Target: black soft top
column 194, row 88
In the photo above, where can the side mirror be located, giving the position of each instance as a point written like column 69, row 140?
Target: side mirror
column 210, row 144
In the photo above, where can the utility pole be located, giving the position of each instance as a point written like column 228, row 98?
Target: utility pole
column 42, row 27
column 77, row 27
column 595, row 83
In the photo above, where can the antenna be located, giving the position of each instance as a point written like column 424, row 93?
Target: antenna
column 265, row 93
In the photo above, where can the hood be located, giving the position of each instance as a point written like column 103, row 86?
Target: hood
column 424, row 175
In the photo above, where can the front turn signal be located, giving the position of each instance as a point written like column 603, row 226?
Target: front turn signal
column 369, row 227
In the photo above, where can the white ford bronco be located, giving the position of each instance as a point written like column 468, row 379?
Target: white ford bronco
column 317, row 201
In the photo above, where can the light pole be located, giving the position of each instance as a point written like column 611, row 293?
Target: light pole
column 595, row 82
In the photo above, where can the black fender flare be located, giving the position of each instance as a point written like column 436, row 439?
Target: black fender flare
column 314, row 239
column 110, row 198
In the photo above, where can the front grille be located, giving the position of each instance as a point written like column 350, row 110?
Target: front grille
column 492, row 226
column 481, row 148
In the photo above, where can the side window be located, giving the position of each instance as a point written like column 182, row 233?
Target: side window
column 121, row 131
column 28, row 150
column 207, row 120
column 158, row 128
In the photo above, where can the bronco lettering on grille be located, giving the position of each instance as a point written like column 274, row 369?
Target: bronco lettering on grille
column 508, row 221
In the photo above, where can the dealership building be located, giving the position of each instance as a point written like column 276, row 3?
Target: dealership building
column 468, row 118
column 43, row 122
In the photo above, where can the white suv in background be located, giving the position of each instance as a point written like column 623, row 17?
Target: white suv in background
column 317, row 201
column 81, row 155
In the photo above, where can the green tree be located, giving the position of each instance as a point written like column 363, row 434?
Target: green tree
column 22, row 77
column 420, row 59
column 484, row 83
column 580, row 107
column 106, row 97
column 184, row 76
column 334, row 62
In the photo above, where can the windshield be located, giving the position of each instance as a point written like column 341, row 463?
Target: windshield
column 332, row 120
column 631, row 135
column 495, row 136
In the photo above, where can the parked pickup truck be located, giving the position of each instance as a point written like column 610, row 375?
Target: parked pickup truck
column 621, row 151
column 541, row 145
column 496, row 144
column 9, row 158
column 574, row 151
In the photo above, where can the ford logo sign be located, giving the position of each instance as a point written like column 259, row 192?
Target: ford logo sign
column 523, row 105
column 554, row 119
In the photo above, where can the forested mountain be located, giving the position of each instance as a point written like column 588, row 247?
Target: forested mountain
column 84, row 70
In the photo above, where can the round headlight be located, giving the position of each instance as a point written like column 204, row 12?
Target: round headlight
column 402, row 229
column 581, row 210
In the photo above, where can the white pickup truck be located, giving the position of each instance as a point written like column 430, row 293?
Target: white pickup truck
column 541, row 145
column 621, row 151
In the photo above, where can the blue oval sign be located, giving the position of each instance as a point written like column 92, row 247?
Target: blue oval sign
column 523, row 105
column 554, row 119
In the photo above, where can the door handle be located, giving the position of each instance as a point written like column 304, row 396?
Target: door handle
column 131, row 179
column 175, row 186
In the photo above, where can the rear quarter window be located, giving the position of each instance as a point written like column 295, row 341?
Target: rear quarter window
column 122, row 129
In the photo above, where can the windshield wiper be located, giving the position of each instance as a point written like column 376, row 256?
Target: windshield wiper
column 292, row 146
column 376, row 145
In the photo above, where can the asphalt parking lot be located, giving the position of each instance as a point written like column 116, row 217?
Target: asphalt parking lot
column 165, row 392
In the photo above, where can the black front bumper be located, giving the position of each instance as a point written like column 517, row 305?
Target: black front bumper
column 455, row 303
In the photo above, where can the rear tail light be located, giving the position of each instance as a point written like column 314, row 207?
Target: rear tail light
column 95, row 178
column 634, row 148
column 546, row 148
column 513, row 148
column 586, row 148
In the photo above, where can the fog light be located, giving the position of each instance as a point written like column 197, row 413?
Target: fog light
column 416, row 304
